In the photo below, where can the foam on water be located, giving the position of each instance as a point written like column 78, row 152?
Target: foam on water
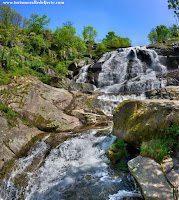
column 77, row 168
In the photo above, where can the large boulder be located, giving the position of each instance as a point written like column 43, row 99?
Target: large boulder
column 46, row 71
column 82, row 87
column 42, row 105
column 14, row 138
column 150, row 178
column 140, row 120
column 60, row 82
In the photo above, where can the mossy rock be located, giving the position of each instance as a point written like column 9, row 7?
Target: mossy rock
column 140, row 120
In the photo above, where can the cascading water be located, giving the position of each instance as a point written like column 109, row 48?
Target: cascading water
column 76, row 169
column 108, row 102
column 128, row 70
column 83, row 74
column 131, row 69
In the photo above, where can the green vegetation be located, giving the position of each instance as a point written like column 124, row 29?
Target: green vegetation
column 118, row 155
column 7, row 167
column 89, row 34
column 161, row 33
column 163, row 146
column 174, row 4
column 113, row 41
column 27, row 47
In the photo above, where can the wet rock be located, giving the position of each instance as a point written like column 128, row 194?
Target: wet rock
column 171, row 52
column 139, row 120
column 150, row 178
column 77, row 65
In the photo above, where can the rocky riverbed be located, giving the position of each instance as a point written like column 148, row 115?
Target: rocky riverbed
column 31, row 110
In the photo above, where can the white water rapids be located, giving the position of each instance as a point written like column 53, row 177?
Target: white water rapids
column 76, row 169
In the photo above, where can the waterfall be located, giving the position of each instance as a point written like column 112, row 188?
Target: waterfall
column 132, row 69
column 126, row 73
column 76, row 169
column 83, row 74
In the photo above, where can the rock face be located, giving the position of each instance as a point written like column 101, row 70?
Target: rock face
column 85, row 108
column 42, row 105
column 82, row 87
column 151, row 179
column 53, row 109
column 13, row 139
column 169, row 92
column 139, row 120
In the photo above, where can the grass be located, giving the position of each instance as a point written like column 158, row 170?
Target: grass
column 161, row 147
column 118, row 155
column 6, row 76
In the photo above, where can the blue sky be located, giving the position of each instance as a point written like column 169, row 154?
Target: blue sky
column 128, row 18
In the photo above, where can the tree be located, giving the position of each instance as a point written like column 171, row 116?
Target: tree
column 111, row 35
column 174, row 4
column 9, row 16
column 159, row 33
column 89, row 33
column 152, row 37
column 174, row 30
column 112, row 41
column 70, row 26
column 101, row 48
column 68, row 44
column 37, row 24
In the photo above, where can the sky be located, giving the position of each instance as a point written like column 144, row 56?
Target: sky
column 128, row 18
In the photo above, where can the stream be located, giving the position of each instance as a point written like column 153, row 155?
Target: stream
column 77, row 169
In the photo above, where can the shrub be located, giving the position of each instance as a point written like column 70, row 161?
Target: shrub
column 118, row 155
column 61, row 68
column 101, row 48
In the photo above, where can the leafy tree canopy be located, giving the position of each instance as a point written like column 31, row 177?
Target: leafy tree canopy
column 174, row 4
column 112, row 41
column 159, row 33
column 37, row 24
column 89, row 33
column 9, row 16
